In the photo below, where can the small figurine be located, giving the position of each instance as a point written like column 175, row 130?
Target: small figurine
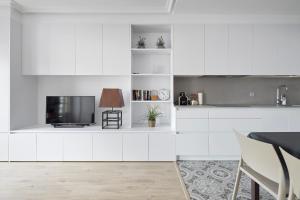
column 160, row 43
column 141, row 43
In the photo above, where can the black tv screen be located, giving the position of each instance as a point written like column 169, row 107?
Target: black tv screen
column 70, row 110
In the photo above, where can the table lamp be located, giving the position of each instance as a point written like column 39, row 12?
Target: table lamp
column 111, row 98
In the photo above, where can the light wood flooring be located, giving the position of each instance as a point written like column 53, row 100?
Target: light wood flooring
column 91, row 181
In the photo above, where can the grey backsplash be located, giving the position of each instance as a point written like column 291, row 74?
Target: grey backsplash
column 236, row 89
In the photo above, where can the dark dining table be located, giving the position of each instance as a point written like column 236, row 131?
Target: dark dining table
column 289, row 141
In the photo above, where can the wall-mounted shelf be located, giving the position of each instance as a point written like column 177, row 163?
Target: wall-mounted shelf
column 158, row 101
column 152, row 75
column 166, row 51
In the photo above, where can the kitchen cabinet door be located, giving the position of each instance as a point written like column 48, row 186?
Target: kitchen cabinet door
column 216, row 49
column 135, row 147
column 89, row 49
column 62, row 49
column 35, row 48
column 22, row 147
column 223, row 144
column 116, row 49
column 162, row 147
column 276, row 49
column 107, row 147
column 240, row 49
column 3, row 147
column 77, row 147
column 49, row 147
column 188, row 49
column 191, row 144
column 192, row 125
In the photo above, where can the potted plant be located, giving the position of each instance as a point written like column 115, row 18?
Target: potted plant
column 141, row 44
column 160, row 43
column 153, row 113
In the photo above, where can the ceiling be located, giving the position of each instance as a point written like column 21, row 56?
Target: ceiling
column 96, row 6
column 204, row 7
column 248, row 7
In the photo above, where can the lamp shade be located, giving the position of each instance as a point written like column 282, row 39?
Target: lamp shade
column 111, row 97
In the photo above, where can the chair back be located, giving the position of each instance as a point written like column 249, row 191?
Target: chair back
column 293, row 165
column 261, row 157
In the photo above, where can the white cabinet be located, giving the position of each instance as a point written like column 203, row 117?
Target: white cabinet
column 107, row 147
column 22, row 147
column 188, row 48
column 49, row 147
column 116, row 49
column 223, row 144
column 192, row 125
column 3, row 147
column 35, row 49
column 77, row 147
column 135, row 147
column 240, row 52
column 162, row 147
column 216, row 49
column 294, row 120
column 191, row 144
column 89, row 49
column 276, row 49
column 62, row 49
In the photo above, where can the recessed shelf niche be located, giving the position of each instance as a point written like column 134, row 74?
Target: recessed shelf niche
column 151, row 70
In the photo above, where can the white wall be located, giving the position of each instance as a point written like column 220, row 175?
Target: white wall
column 23, row 109
column 82, row 86
column 4, row 68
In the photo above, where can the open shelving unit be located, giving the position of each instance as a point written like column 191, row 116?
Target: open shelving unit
column 151, row 69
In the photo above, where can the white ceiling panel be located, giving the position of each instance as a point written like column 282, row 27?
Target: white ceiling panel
column 96, row 6
column 256, row 7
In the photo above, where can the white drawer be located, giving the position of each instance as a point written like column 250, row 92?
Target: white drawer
column 189, row 113
column 238, row 124
column 191, row 144
column 223, row 144
column 192, row 125
column 234, row 113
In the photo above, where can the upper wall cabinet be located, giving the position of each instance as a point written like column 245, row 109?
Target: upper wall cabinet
column 216, row 49
column 35, row 50
column 228, row 49
column 276, row 50
column 188, row 49
column 62, row 49
column 89, row 49
column 116, row 49
column 240, row 49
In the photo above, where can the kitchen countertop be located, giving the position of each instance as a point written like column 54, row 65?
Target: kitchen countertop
column 236, row 106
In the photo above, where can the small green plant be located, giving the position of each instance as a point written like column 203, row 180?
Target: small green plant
column 141, row 42
column 153, row 113
column 160, row 42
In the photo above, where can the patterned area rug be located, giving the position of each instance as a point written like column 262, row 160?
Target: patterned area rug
column 214, row 180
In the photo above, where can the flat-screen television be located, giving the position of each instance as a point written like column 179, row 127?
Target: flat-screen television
column 70, row 110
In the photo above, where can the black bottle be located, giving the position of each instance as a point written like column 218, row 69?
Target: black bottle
column 182, row 99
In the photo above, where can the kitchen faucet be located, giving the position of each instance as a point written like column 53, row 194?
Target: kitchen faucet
column 281, row 98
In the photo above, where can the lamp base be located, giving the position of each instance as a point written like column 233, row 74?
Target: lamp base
column 112, row 119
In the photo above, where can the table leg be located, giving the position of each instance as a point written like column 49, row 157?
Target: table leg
column 254, row 190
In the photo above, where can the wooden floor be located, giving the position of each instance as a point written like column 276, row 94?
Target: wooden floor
column 91, row 181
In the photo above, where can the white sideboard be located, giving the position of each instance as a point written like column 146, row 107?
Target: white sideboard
column 207, row 132
column 3, row 146
column 91, row 144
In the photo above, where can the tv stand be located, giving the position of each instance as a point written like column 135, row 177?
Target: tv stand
column 68, row 125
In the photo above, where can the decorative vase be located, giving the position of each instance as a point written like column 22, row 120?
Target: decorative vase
column 151, row 123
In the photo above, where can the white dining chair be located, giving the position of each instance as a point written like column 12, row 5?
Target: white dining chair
column 260, row 162
column 293, row 165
